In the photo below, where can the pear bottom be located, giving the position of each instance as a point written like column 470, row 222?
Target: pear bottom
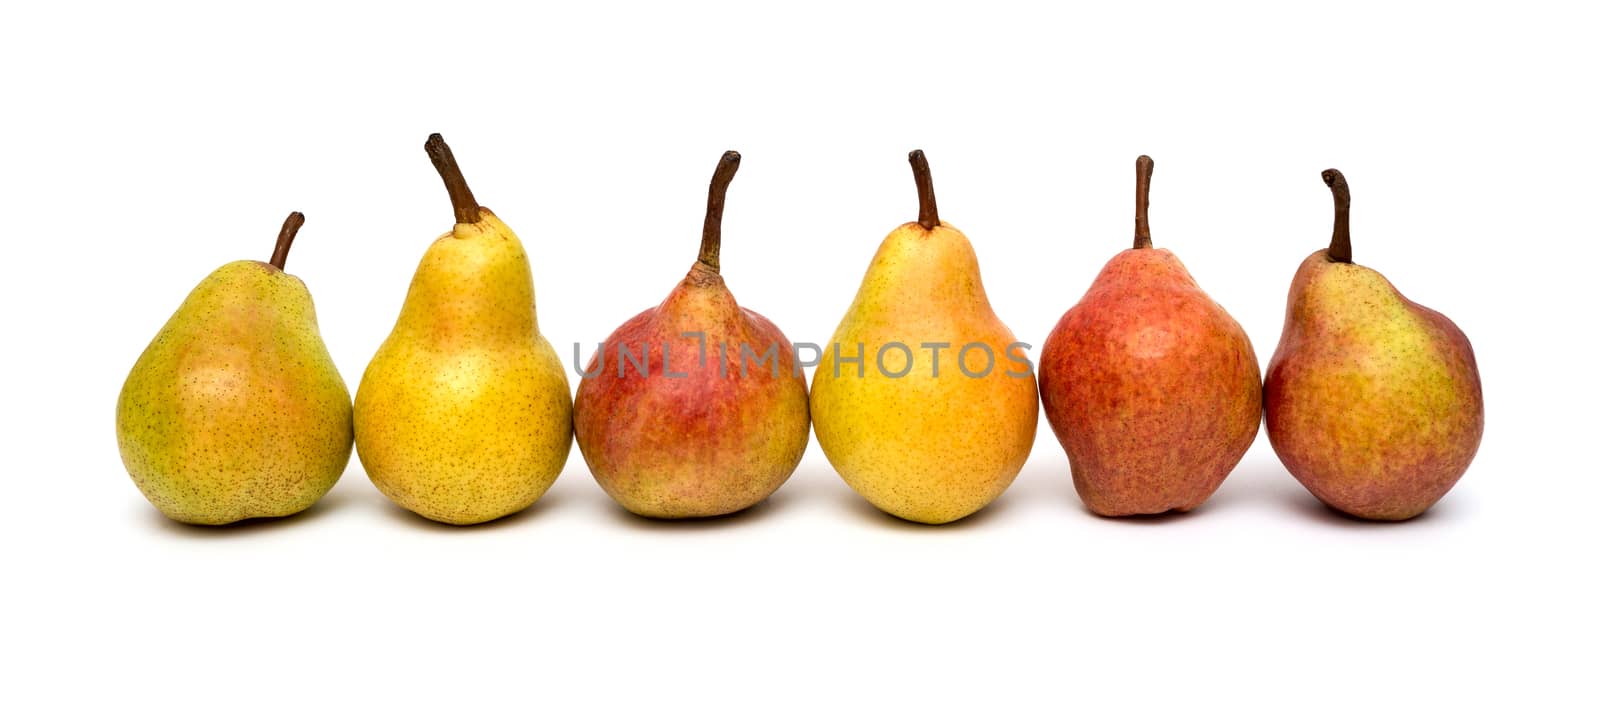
column 929, row 450
column 699, row 438
column 465, row 439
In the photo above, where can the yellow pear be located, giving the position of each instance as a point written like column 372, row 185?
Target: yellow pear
column 464, row 414
column 235, row 409
column 924, row 402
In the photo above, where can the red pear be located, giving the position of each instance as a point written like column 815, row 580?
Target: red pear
column 1151, row 387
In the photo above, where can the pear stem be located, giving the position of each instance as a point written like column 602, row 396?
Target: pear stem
column 291, row 227
column 1339, row 247
column 460, row 195
column 711, row 234
column 927, row 207
column 1142, row 169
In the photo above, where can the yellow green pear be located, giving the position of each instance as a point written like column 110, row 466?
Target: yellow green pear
column 464, row 414
column 235, row 409
column 924, row 402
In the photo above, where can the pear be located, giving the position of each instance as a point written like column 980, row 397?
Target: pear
column 1373, row 402
column 235, row 409
column 695, row 407
column 464, row 414
column 1151, row 387
column 924, row 403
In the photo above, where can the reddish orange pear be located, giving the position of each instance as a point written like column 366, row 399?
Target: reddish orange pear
column 1151, row 387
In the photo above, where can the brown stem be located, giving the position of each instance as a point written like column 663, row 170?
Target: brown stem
column 927, row 207
column 711, row 234
column 1339, row 247
column 1142, row 168
column 291, row 227
column 460, row 195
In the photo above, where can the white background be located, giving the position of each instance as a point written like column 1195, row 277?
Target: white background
column 145, row 146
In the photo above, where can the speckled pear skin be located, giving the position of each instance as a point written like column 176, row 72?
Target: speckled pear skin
column 923, row 448
column 464, row 414
column 1153, row 390
column 235, row 410
column 714, row 441
column 1373, row 402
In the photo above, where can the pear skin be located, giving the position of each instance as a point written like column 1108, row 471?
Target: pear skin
column 1373, row 402
column 693, row 425
column 464, row 414
column 1153, row 390
column 932, row 445
column 235, row 410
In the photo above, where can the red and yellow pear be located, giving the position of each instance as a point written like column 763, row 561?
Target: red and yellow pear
column 694, row 407
column 1373, row 402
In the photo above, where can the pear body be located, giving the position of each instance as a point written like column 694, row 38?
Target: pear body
column 926, row 446
column 1373, row 402
column 235, row 410
column 464, row 414
column 1153, row 390
column 712, row 421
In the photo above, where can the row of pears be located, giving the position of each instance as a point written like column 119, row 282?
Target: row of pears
column 235, row 410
